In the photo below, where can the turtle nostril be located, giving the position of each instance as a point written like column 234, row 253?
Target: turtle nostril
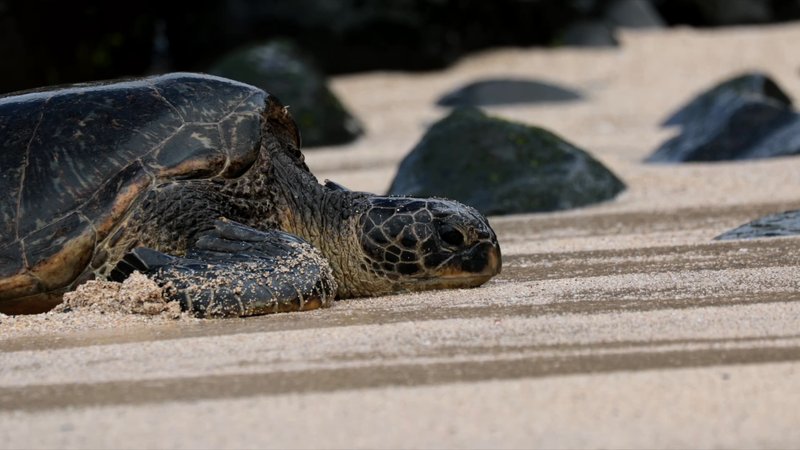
column 451, row 236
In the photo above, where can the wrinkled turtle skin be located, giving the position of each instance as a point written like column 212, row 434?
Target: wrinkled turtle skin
column 198, row 182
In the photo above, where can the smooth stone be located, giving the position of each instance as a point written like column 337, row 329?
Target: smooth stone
column 634, row 14
column 782, row 224
column 281, row 69
column 507, row 92
column 730, row 12
column 502, row 167
column 745, row 128
column 588, row 33
column 709, row 102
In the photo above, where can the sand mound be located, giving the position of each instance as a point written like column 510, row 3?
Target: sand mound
column 136, row 295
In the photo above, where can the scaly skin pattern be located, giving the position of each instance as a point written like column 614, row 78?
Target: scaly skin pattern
column 381, row 245
column 374, row 245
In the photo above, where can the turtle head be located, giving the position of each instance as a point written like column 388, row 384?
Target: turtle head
column 412, row 244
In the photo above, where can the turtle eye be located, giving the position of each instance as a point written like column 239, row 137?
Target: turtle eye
column 450, row 235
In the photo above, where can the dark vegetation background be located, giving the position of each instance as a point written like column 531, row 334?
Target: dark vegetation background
column 52, row 42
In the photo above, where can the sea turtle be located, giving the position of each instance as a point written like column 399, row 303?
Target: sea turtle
column 198, row 182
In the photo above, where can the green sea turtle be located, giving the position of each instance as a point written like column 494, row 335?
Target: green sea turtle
column 198, row 182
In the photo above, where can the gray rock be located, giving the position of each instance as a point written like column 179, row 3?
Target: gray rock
column 746, row 128
column 730, row 12
column 589, row 33
column 633, row 14
column 782, row 224
column 601, row 19
column 358, row 35
column 747, row 117
column 711, row 101
column 507, row 92
column 279, row 68
column 502, row 167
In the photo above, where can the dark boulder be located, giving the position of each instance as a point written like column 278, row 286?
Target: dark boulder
column 597, row 25
column 782, row 224
column 752, row 84
column 279, row 68
column 588, row 33
column 722, row 12
column 727, row 12
column 502, row 167
column 748, row 117
column 746, row 128
column 356, row 35
column 633, row 14
column 507, row 92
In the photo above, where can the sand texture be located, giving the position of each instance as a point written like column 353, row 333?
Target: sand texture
column 617, row 325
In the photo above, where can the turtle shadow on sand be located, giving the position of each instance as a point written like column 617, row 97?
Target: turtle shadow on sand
column 507, row 91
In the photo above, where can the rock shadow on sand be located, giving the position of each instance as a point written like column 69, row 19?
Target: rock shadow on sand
column 508, row 91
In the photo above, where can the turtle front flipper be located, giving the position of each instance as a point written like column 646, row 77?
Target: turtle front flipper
column 235, row 270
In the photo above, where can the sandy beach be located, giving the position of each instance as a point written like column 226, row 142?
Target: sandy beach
column 617, row 325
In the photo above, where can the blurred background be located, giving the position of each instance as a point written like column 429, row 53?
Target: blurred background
column 53, row 42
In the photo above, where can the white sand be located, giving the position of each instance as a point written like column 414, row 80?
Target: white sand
column 717, row 407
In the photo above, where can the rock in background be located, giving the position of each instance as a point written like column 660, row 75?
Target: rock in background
column 754, row 84
column 49, row 42
column 281, row 69
column 726, row 12
column 502, row 167
column 507, row 92
column 747, row 117
column 600, row 19
column 781, row 224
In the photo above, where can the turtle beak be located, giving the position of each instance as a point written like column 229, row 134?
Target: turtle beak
column 473, row 267
column 483, row 259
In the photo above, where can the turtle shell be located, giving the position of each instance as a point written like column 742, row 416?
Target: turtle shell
column 73, row 160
